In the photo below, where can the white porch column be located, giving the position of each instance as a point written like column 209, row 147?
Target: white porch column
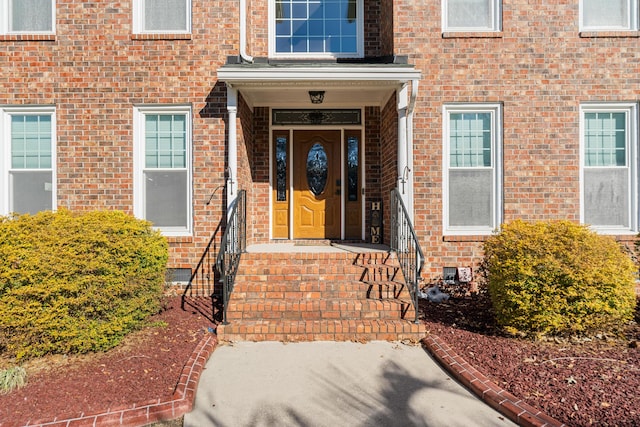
column 403, row 150
column 232, row 150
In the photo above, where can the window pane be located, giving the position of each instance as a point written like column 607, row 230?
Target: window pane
column 165, row 15
column 322, row 26
column 31, row 15
column 166, row 203
column 31, row 191
column 606, row 197
column 30, row 142
column 470, row 139
column 469, row 13
column 605, row 139
column 471, row 198
column 605, row 13
column 165, row 141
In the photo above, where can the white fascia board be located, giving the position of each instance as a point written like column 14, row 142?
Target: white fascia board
column 246, row 75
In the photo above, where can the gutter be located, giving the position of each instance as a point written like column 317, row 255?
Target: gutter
column 244, row 56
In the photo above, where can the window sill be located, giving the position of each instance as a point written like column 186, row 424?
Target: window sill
column 466, row 238
column 27, row 37
column 167, row 36
column 626, row 237
column 472, row 34
column 610, row 34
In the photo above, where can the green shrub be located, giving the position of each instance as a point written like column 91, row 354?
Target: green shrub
column 75, row 283
column 558, row 278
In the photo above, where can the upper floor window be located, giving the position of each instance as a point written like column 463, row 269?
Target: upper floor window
column 27, row 165
column 472, row 168
column 317, row 28
column 608, row 15
column 163, row 167
column 471, row 15
column 27, row 16
column 608, row 139
column 162, row 16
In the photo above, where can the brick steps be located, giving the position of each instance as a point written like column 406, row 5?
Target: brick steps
column 322, row 330
column 318, row 289
column 319, row 309
column 319, row 296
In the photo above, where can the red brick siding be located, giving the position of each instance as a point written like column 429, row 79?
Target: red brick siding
column 259, row 217
column 388, row 158
column 372, row 164
column 541, row 69
column 94, row 72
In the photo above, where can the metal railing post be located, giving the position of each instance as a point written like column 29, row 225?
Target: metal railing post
column 232, row 246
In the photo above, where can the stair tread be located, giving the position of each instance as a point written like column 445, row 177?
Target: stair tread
column 322, row 330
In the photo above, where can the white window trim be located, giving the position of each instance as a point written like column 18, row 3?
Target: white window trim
column 315, row 55
column 5, row 151
column 496, row 22
column 139, row 113
column 138, row 20
column 4, row 22
column 496, row 110
column 632, row 24
column 631, row 108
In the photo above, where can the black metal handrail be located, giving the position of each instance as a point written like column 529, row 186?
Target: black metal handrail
column 232, row 246
column 404, row 243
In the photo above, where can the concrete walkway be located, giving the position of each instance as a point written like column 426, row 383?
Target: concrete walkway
column 332, row 384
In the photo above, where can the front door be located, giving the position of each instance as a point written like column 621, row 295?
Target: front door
column 316, row 184
column 311, row 168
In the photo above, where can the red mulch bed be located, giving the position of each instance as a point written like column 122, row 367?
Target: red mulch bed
column 145, row 367
column 579, row 382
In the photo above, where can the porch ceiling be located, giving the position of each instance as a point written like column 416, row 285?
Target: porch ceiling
column 344, row 86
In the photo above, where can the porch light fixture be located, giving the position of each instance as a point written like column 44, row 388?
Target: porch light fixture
column 316, row 96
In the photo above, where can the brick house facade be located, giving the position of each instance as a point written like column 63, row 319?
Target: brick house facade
column 518, row 109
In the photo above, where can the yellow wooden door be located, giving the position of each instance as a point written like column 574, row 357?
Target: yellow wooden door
column 317, row 184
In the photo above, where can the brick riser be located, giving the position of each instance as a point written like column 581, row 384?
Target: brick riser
column 320, row 296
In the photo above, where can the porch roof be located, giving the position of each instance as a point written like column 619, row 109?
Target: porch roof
column 345, row 85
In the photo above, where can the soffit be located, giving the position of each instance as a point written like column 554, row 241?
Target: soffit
column 344, row 86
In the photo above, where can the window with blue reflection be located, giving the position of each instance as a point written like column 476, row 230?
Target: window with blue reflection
column 352, row 168
column 317, row 26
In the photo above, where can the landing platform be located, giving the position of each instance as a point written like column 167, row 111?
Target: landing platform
column 319, row 246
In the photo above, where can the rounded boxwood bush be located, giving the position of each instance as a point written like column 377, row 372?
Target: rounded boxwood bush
column 76, row 282
column 558, row 278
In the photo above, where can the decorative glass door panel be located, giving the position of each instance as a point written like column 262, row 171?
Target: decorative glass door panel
column 353, row 199
column 280, row 217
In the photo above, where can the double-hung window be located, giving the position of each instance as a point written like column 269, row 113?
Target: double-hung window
column 609, row 166
column 162, row 16
column 316, row 28
column 471, row 15
column 472, row 179
column 27, row 16
column 162, row 167
column 608, row 15
column 27, row 165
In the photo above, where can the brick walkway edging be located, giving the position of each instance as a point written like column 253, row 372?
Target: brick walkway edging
column 495, row 396
column 136, row 415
